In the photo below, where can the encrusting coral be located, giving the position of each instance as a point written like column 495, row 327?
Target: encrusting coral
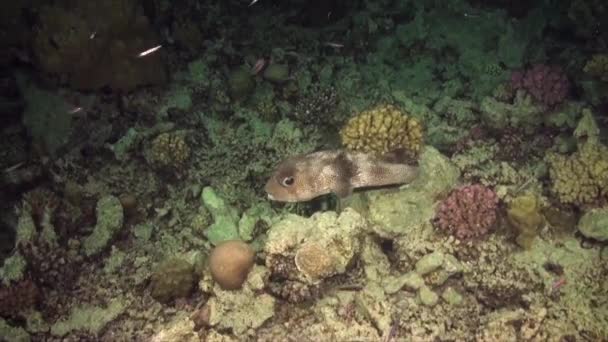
column 383, row 129
column 468, row 212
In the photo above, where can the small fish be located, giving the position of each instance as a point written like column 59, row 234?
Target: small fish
column 334, row 45
column 149, row 51
column 304, row 177
column 252, row 3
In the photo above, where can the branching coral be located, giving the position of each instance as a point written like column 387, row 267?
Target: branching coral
column 383, row 129
column 468, row 212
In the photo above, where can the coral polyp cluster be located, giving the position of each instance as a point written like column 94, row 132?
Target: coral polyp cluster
column 468, row 212
column 383, row 129
column 548, row 85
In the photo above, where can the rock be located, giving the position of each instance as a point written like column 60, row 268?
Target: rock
column 428, row 297
column 594, row 224
column 429, row 263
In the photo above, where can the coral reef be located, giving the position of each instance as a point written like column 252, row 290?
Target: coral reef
column 468, row 212
column 548, row 85
column 383, row 129
column 18, row 297
column 230, row 262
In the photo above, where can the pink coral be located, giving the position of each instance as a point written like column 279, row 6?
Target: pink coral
column 467, row 212
column 548, row 85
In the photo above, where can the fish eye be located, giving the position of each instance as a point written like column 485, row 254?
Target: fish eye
column 287, row 181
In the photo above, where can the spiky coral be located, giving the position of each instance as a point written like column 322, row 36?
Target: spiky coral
column 383, row 129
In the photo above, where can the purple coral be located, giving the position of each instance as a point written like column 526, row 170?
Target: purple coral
column 548, row 85
column 467, row 212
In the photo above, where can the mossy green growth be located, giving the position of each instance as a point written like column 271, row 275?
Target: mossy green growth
column 88, row 318
column 524, row 215
column 225, row 217
column 109, row 221
column 241, row 83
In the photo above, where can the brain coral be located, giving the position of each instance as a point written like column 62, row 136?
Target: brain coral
column 581, row 178
column 383, row 129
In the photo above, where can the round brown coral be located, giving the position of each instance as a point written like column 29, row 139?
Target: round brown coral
column 230, row 262
column 383, row 129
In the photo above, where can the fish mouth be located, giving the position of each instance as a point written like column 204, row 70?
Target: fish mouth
column 270, row 197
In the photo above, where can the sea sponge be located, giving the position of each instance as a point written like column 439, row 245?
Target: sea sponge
column 581, row 178
column 383, row 129
column 230, row 263
column 169, row 150
column 597, row 66
column 523, row 213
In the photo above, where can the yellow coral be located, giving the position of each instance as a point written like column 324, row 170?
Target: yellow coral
column 598, row 67
column 383, row 129
column 581, row 178
column 169, row 150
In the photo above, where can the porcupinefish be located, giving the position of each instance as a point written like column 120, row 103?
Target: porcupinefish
column 304, row 177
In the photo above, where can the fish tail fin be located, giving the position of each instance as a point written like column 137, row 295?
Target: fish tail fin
column 400, row 156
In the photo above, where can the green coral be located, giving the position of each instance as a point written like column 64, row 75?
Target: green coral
column 109, row 221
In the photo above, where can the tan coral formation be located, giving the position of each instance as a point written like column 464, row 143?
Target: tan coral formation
column 383, row 129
